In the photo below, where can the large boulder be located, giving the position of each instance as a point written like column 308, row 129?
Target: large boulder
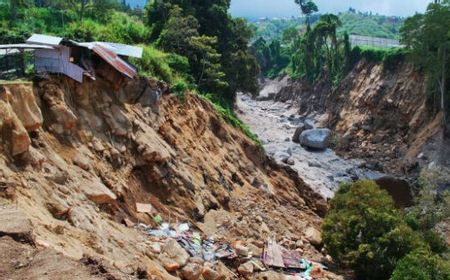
column 313, row 236
column 316, row 138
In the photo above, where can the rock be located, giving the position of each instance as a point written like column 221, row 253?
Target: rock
column 155, row 248
column 308, row 124
column 288, row 161
column 256, row 251
column 298, row 132
column 14, row 223
column 191, row 271
column 210, row 274
column 241, row 250
column 246, row 269
column 173, row 256
column 313, row 236
column 82, row 161
column 60, row 177
column 24, row 104
column 316, row 138
column 99, row 193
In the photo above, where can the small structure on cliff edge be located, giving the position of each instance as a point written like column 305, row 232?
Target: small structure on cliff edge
column 73, row 59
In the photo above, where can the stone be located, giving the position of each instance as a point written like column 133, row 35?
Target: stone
column 313, row 236
column 241, row 250
column 316, row 138
column 191, row 271
column 308, row 124
column 15, row 224
column 98, row 192
column 246, row 269
column 82, row 162
column 256, row 251
column 173, row 256
column 298, row 132
column 23, row 102
column 210, row 274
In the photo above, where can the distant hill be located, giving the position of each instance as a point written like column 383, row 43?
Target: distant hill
column 353, row 22
column 136, row 3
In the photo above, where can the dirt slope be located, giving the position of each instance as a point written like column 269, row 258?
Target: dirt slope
column 75, row 159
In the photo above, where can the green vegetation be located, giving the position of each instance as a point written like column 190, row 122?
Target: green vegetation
column 365, row 232
column 427, row 36
column 367, row 24
column 353, row 22
column 191, row 46
column 214, row 43
column 422, row 265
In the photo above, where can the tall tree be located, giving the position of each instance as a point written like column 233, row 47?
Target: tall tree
column 428, row 37
column 307, row 7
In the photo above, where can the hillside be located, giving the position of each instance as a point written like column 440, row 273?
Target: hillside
column 78, row 160
column 355, row 23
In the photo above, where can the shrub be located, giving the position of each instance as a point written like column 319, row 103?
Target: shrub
column 365, row 232
column 87, row 31
column 154, row 63
column 421, row 265
column 126, row 29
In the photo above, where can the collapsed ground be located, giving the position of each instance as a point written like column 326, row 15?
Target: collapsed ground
column 76, row 158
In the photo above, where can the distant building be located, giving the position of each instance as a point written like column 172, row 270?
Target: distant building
column 367, row 41
column 78, row 60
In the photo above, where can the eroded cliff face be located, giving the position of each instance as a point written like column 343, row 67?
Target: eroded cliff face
column 379, row 115
column 75, row 159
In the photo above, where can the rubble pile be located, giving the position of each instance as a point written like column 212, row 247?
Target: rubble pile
column 190, row 254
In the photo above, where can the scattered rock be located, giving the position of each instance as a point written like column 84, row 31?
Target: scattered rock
column 298, row 132
column 316, row 138
column 191, row 271
column 308, row 124
column 210, row 274
column 246, row 269
column 82, row 161
column 15, row 224
column 313, row 236
column 173, row 256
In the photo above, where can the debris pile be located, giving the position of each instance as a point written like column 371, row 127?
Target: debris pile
column 185, row 250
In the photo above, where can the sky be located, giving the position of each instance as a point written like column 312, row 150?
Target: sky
column 282, row 8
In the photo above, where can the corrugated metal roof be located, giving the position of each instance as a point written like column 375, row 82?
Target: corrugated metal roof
column 114, row 60
column 44, row 40
column 125, row 50
column 24, row 46
column 14, row 48
column 120, row 49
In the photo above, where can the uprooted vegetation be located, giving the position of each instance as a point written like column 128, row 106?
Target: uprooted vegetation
column 77, row 158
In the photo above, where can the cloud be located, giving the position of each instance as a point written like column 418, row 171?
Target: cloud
column 272, row 8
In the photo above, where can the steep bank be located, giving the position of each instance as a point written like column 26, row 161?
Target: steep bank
column 379, row 115
column 75, row 159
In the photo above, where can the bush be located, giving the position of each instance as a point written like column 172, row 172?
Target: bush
column 87, row 31
column 126, row 29
column 421, row 265
column 365, row 232
column 154, row 63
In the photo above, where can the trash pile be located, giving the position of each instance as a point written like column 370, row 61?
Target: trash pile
column 235, row 256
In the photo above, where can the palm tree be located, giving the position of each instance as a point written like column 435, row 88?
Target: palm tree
column 308, row 7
